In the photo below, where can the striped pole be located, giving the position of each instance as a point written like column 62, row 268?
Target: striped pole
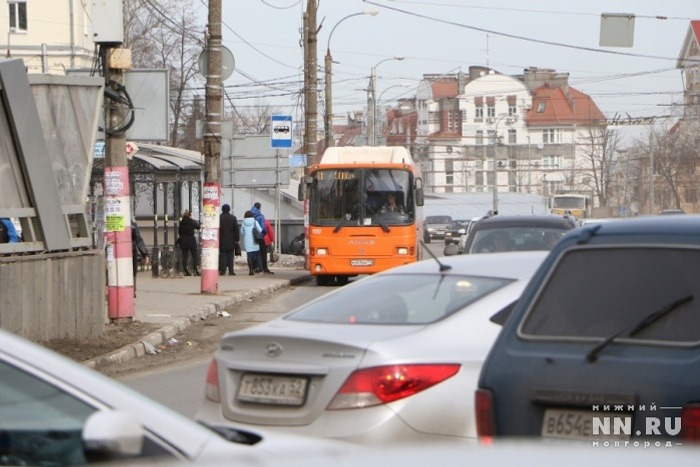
column 120, row 273
column 211, row 199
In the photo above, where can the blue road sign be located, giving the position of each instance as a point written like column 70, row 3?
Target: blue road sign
column 281, row 131
column 297, row 160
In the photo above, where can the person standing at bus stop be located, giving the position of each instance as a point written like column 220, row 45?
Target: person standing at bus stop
column 229, row 237
column 251, row 246
column 260, row 219
column 188, row 242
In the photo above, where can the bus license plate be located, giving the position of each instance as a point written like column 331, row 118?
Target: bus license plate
column 361, row 262
column 272, row 389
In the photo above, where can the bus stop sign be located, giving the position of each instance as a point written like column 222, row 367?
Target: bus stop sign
column 281, row 131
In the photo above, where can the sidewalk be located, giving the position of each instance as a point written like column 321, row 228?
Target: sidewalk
column 178, row 302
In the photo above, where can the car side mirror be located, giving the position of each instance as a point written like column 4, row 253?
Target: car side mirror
column 111, row 434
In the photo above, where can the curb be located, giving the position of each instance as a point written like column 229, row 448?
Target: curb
column 138, row 349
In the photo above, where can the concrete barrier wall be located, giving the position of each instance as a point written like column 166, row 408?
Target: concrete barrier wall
column 53, row 295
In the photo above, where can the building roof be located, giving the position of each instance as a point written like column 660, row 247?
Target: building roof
column 691, row 38
column 563, row 105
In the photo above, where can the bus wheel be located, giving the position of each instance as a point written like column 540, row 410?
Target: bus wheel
column 322, row 281
column 342, row 280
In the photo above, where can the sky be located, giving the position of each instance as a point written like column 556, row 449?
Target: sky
column 448, row 36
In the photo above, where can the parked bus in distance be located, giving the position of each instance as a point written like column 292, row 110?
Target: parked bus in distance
column 576, row 204
column 354, row 228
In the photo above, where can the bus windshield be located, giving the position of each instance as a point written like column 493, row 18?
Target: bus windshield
column 361, row 196
column 569, row 202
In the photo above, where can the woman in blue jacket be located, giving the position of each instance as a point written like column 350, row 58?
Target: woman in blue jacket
column 250, row 244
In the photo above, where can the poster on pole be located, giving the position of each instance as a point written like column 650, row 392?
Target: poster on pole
column 281, row 131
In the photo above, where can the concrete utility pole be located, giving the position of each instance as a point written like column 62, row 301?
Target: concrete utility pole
column 211, row 192
column 120, row 279
column 310, row 83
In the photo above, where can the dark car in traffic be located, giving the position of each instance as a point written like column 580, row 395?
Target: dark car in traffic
column 495, row 232
column 456, row 229
column 604, row 343
column 434, row 227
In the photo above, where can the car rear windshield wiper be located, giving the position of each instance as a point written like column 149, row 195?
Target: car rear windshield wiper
column 644, row 323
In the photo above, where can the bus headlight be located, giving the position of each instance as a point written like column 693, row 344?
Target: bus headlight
column 402, row 250
column 321, row 251
column 318, row 268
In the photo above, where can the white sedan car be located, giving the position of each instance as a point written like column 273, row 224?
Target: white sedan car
column 54, row 411
column 393, row 357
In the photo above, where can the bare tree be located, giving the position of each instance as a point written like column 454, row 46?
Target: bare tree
column 597, row 161
column 676, row 157
column 254, row 120
column 164, row 34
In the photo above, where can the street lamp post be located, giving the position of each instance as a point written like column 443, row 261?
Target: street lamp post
column 328, row 120
column 372, row 101
column 495, row 164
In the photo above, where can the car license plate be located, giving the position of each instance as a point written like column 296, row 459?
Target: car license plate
column 361, row 262
column 272, row 389
column 577, row 425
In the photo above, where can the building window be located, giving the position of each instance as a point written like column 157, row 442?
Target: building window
column 551, row 135
column 491, row 134
column 479, row 137
column 491, row 111
column 540, row 107
column 449, row 172
column 512, row 110
column 552, row 187
column 479, row 112
column 453, row 120
column 551, row 162
column 18, row 15
column 433, row 118
column 512, row 136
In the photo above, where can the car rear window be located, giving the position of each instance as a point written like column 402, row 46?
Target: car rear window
column 438, row 220
column 598, row 292
column 530, row 238
column 399, row 299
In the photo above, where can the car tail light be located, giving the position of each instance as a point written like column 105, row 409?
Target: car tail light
column 211, row 389
column 690, row 422
column 380, row 385
column 484, row 411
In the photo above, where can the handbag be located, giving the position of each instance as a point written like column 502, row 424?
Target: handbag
column 237, row 249
column 274, row 257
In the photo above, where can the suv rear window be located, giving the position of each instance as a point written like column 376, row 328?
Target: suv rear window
column 598, row 292
column 438, row 220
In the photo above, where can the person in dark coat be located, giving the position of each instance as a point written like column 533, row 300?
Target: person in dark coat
column 188, row 242
column 229, row 237
column 260, row 219
column 138, row 248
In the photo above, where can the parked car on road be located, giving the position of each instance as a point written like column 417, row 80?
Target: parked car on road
column 388, row 358
column 434, row 227
column 56, row 412
column 605, row 341
column 456, row 229
column 495, row 232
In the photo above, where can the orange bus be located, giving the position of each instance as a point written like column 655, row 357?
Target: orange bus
column 354, row 227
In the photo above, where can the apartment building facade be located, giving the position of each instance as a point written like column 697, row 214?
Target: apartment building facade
column 51, row 36
column 528, row 133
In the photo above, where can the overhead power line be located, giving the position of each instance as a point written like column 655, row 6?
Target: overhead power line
column 517, row 37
